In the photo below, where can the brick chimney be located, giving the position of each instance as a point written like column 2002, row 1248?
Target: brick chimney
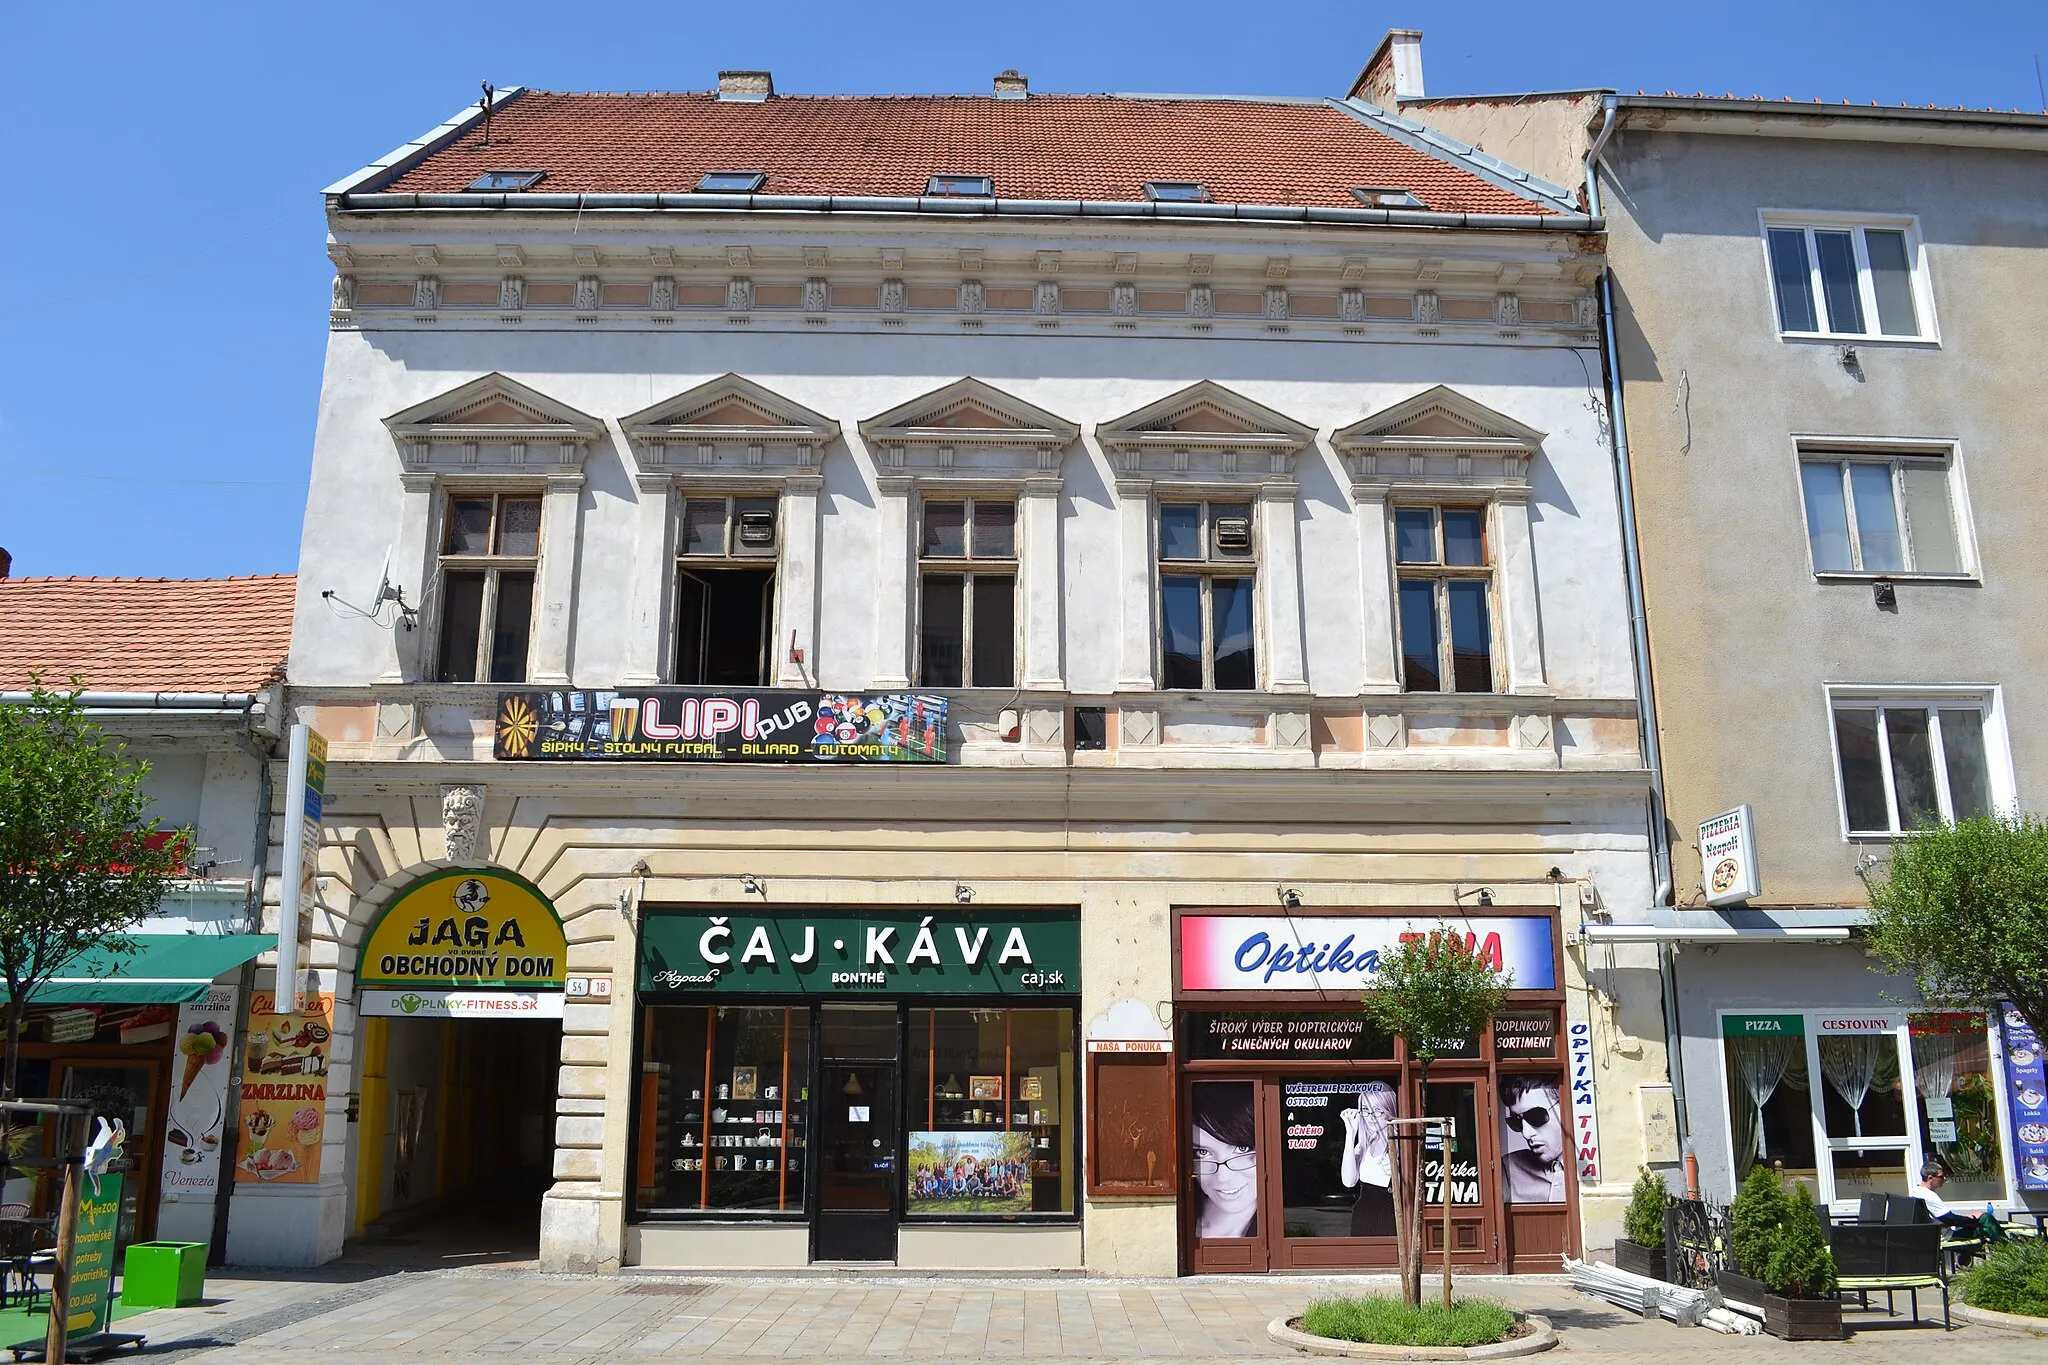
column 1395, row 71
column 1011, row 86
column 6, row 563
column 746, row 87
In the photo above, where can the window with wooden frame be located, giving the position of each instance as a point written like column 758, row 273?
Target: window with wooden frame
column 1880, row 514
column 1443, row 566
column 725, row 590
column 967, row 593
column 490, row 552
column 1208, row 572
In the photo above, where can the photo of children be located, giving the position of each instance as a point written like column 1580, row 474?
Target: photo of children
column 969, row 1173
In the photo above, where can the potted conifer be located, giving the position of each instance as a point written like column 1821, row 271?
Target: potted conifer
column 1753, row 1222
column 1640, row 1249
column 1799, row 1277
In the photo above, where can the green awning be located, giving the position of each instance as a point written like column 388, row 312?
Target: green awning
column 164, row 969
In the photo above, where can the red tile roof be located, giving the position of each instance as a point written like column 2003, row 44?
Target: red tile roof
column 146, row 634
column 1101, row 147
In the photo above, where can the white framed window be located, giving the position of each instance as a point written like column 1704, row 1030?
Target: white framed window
column 1886, row 514
column 1852, row 1101
column 725, row 590
column 967, row 592
column 1904, row 758
column 1849, row 276
column 1208, row 574
column 490, row 555
column 1443, row 565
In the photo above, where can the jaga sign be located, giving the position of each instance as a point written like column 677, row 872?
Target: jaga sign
column 1728, row 857
column 1342, row 953
column 737, row 725
column 460, row 930
column 876, row 953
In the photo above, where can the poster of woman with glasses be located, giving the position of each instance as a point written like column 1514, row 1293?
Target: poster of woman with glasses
column 1531, row 1140
column 1226, row 1159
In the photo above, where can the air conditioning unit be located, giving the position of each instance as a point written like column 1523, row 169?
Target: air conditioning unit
column 1233, row 535
column 757, row 530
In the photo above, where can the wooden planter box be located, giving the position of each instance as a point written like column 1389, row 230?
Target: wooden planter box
column 1803, row 1319
column 1740, row 1288
column 1637, row 1259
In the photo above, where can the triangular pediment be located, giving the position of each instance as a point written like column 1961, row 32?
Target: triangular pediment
column 968, row 411
column 731, row 408
column 1439, row 419
column 493, row 406
column 1206, row 414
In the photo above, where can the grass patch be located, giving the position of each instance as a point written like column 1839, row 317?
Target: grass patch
column 2012, row 1279
column 1387, row 1321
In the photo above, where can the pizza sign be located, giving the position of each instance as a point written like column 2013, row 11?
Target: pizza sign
column 1728, row 866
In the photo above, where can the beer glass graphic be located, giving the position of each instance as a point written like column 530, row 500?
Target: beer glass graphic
column 625, row 717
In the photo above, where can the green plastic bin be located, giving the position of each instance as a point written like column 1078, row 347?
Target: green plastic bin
column 164, row 1275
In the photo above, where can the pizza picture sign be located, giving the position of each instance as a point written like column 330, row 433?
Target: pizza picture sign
column 1728, row 866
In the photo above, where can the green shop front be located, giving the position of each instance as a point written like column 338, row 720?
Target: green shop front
column 858, row 1085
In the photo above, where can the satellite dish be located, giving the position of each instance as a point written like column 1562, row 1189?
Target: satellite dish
column 385, row 592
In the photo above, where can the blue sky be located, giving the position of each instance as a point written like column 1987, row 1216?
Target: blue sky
column 163, row 288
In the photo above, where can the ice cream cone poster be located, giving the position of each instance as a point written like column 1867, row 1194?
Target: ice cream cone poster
column 284, row 1091
column 201, row 1068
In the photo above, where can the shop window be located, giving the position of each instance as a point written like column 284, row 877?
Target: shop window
column 1336, row 1175
column 1224, row 1138
column 725, row 591
column 722, row 1103
column 991, row 1104
column 1957, row 1104
column 1532, row 1138
column 1457, row 1101
column 490, row 550
column 1441, row 558
column 1770, row 1111
column 1207, row 567
column 967, row 594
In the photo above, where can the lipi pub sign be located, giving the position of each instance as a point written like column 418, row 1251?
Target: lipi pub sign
column 721, row 725
column 882, row 952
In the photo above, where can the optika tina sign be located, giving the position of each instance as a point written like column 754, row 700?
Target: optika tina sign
column 461, row 930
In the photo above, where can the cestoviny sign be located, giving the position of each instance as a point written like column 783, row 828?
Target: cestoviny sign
column 919, row 952
column 1315, row 953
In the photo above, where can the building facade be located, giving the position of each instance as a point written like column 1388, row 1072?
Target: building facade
column 1830, row 432
column 186, row 676
column 959, row 659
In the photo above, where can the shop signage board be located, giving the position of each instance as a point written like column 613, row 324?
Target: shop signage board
column 284, row 1091
column 1728, row 857
column 92, row 1257
column 1524, row 1033
column 721, row 725
column 433, row 1004
column 306, row 788
column 199, row 1095
column 1282, row 1036
column 1340, row 954
column 877, row 952
column 1763, row 1026
column 2026, row 1092
column 466, row 930
column 1585, row 1112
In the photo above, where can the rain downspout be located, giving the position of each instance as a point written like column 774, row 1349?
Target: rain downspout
column 1646, row 692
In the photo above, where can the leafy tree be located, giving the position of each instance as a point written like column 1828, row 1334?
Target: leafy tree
column 1644, row 1221
column 1433, row 991
column 1963, row 910
column 77, row 864
column 1800, row 1265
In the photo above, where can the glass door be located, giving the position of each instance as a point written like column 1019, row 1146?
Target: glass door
column 856, row 1113
column 124, row 1091
column 1472, row 1231
column 1224, row 1178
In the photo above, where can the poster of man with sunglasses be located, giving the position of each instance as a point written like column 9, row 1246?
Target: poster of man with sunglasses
column 1531, row 1140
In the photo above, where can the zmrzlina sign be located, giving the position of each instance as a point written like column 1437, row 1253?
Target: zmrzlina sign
column 460, row 930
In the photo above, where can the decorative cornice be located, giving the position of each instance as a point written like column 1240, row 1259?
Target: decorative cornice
column 703, row 433
column 1204, row 433
column 494, row 427
column 1439, row 442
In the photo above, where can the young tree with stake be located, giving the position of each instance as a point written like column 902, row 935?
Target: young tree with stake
column 1431, row 991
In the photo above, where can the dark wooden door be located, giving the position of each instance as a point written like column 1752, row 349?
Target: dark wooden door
column 857, row 1138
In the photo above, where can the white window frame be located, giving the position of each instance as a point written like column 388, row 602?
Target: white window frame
column 1997, row 746
column 1899, row 453
column 1915, row 1146
column 493, row 566
column 967, row 567
column 1208, row 568
column 1854, row 224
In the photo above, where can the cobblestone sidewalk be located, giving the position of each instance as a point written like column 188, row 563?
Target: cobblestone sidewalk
column 444, row 1315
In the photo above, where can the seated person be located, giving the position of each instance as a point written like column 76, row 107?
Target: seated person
column 1928, row 1192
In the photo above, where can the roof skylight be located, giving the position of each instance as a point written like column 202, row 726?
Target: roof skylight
column 731, row 182
column 506, row 180
column 962, row 186
column 1177, row 191
column 1386, row 197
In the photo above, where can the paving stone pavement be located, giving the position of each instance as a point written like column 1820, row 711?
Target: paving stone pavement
column 395, row 1317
